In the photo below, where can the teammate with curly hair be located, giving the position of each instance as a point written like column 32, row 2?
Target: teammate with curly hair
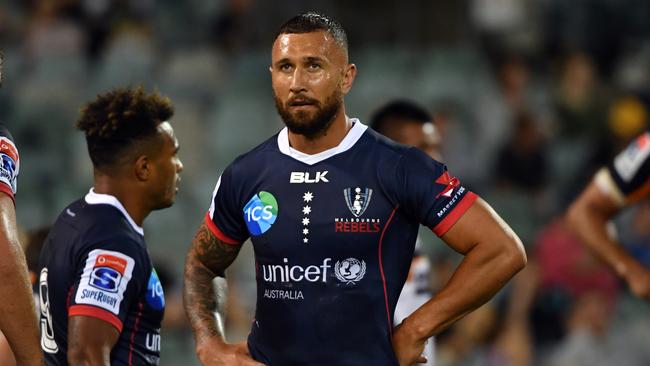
column 101, row 300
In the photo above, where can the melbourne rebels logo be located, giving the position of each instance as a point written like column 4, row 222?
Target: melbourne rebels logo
column 107, row 273
column 260, row 213
column 350, row 270
column 358, row 200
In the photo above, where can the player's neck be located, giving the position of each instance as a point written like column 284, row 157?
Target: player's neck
column 125, row 193
column 330, row 139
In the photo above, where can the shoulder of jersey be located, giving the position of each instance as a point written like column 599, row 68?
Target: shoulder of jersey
column 384, row 143
column 270, row 145
column 101, row 220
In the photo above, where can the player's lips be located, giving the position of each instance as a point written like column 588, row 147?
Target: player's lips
column 302, row 103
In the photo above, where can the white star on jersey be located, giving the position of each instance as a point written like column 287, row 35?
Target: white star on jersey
column 308, row 196
column 305, row 231
column 305, row 240
column 305, row 221
column 306, row 210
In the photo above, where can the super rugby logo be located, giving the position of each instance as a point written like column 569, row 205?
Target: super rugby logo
column 108, row 272
column 104, row 280
column 260, row 213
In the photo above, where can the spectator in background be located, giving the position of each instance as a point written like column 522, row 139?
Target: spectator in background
column 521, row 162
column 409, row 124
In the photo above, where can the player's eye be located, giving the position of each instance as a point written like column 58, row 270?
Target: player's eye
column 314, row 66
column 285, row 67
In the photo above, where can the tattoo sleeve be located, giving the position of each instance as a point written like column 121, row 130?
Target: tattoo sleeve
column 207, row 259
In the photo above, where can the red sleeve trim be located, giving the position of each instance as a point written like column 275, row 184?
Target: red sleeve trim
column 94, row 312
column 455, row 214
column 218, row 233
column 8, row 191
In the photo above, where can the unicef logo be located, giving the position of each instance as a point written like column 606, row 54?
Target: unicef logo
column 260, row 213
column 350, row 270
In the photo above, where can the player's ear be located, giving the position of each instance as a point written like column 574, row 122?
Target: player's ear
column 142, row 168
column 270, row 69
column 349, row 73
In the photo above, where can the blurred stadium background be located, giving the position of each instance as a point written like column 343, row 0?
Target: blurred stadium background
column 530, row 97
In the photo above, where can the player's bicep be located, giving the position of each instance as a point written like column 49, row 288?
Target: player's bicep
column 480, row 224
column 208, row 251
column 90, row 340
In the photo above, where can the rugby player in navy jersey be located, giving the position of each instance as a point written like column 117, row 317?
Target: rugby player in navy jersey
column 624, row 182
column 101, row 300
column 333, row 210
column 17, row 320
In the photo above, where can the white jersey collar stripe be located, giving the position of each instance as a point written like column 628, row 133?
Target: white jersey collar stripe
column 93, row 198
column 348, row 142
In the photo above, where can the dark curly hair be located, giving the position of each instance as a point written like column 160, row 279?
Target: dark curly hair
column 117, row 120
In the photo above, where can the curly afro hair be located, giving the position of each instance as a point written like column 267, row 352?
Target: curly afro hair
column 115, row 121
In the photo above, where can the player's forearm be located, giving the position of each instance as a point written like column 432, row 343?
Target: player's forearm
column 89, row 356
column 589, row 217
column 484, row 271
column 201, row 301
column 17, row 315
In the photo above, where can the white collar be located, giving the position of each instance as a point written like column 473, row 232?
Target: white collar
column 93, row 198
column 346, row 144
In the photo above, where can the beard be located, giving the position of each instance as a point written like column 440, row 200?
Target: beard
column 307, row 123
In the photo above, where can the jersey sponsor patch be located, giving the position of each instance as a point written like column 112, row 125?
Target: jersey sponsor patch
column 104, row 279
column 260, row 213
column 10, row 164
column 155, row 295
column 628, row 162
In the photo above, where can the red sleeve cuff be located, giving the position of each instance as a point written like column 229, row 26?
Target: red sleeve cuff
column 448, row 221
column 95, row 312
column 218, row 233
column 8, row 191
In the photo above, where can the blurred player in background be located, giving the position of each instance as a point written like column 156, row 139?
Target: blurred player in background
column 333, row 211
column 101, row 300
column 625, row 181
column 407, row 123
column 18, row 325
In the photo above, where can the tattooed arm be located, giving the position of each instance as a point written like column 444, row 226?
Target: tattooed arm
column 207, row 259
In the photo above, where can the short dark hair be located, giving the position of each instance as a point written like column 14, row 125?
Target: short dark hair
column 399, row 109
column 311, row 22
column 115, row 121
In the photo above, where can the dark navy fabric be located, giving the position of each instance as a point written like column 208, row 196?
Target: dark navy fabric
column 333, row 243
column 95, row 264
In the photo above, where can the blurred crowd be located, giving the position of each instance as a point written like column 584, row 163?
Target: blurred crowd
column 529, row 98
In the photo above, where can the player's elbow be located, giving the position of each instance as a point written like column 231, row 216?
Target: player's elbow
column 575, row 214
column 513, row 254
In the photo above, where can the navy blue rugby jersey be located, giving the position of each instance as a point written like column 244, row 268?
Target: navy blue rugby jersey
column 333, row 236
column 627, row 178
column 95, row 263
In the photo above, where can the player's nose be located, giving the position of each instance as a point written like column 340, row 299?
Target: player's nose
column 298, row 81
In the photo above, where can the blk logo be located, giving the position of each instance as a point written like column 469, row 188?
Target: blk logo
column 304, row 177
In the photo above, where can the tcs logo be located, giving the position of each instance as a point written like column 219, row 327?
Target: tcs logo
column 260, row 213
